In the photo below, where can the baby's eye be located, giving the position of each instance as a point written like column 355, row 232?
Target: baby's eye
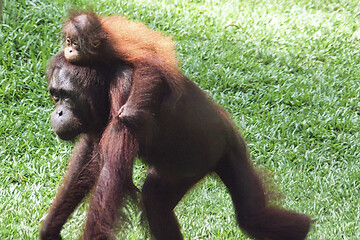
column 55, row 98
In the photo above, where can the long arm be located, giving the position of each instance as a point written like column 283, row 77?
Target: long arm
column 80, row 177
column 118, row 148
column 156, row 87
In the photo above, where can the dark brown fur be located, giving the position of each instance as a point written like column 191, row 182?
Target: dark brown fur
column 181, row 144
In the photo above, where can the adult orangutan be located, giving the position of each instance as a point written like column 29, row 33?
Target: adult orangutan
column 117, row 107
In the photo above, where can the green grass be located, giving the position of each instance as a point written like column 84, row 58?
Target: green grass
column 287, row 71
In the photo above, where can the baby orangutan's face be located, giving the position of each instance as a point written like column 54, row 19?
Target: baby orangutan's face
column 79, row 46
column 72, row 50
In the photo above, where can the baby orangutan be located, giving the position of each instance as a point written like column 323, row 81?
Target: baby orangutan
column 91, row 40
column 79, row 47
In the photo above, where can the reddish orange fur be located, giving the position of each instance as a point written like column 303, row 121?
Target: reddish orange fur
column 133, row 41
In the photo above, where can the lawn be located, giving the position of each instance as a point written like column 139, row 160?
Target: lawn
column 287, row 72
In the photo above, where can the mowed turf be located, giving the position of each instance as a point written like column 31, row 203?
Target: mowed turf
column 287, row 72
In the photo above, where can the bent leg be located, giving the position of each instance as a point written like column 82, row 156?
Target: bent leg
column 252, row 211
column 79, row 179
column 160, row 197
